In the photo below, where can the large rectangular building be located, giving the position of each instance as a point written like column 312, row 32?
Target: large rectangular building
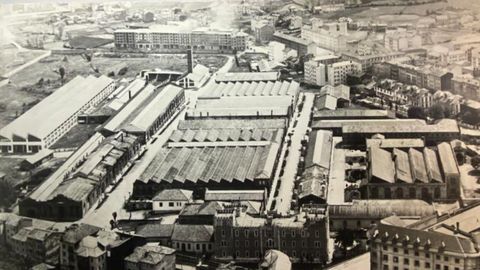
column 178, row 39
column 146, row 112
column 45, row 123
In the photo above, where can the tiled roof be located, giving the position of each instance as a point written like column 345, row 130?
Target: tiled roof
column 155, row 230
column 201, row 209
column 192, row 233
column 77, row 232
column 417, row 163
column 402, row 166
column 152, row 255
column 239, row 89
column 75, row 189
column 232, row 124
column 173, row 195
column 382, row 165
column 319, row 149
column 431, row 164
column 234, row 195
column 447, row 159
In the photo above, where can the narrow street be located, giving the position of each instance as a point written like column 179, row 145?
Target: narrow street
column 284, row 198
column 114, row 203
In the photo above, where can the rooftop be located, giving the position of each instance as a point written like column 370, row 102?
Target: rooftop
column 353, row 113
column 247, row 77
column 192, row 233
column 319, row 149
column 235, row 195
column 173, row 195
column 239, row 89
column 152, row 255
column 232, row 124
column 57, row 108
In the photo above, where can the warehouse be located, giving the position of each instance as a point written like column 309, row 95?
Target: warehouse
column 147, row 112
column 70, row 199
column 233, row 159
column 61, row 108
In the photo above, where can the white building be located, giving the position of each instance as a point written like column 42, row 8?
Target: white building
column 337, row 72
column 171, row 200
column 277, row 52
column 45, row 123
column 330, row 36
column 314, row 73
column 402, row 40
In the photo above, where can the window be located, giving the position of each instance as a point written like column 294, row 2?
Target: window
column 437, row 266
column 236, row 233
column 427, row 265
column 160, row 204
column 247, row 243
column 417, row 254
column 385, row 247
column 417, row 263
column 427, row 255
column 395, row 249
column 445, row 258
column 255, row 233
column 171, row 204
column 395, row 259
column 406, row 261
column 457, row 260
column 385, row 257
column 405, row 251
column 445, row 267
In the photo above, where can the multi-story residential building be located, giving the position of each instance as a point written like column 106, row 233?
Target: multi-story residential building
column 369, row 59
column 69, row 243
column 449, row 244
column 179, row 39
column 57, row 114
column 338, row 72
column 413, row 174
column 402, row 40
column 433, row 79
column 475, row 57
column 330, row 36
column 315, row 73
column 151, row 258
column 244, row 238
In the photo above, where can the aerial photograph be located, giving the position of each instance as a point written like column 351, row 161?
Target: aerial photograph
column 240, row 134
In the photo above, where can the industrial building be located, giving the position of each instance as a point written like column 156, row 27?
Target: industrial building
column 71, row 198
column 427, row 174
column 146, row 112
column 57, row 114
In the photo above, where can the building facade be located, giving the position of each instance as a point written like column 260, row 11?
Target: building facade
column 171, row 39
column 244, row 238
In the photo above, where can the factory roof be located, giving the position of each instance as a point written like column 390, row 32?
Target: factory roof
column 57, row 108
column 447, row 159
column 445, row 125
column 75, row 189
column 238, row 89
column 353, row 113
column 232, row 124
column 402, row 166
column 382, row 165
column 216, row 164
column 395, row 143
column 291, row 38
column 417, row 163
column 247, row 77
column 431, row 164
column 319, row 149
column 326, row 102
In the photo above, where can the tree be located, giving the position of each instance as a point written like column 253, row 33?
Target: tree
column 471, row 118
column 437, row 112
column 61, row 72
column 416, row 112
column 475, row 162
column 7, row 193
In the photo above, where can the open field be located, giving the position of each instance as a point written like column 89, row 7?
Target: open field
column 77, row 136
column 11, row 57
column 27, row 87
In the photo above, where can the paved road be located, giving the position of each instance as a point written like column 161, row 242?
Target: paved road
column 114, row 203
column 285, row 193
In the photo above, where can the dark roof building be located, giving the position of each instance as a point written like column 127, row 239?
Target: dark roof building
column 151, row 257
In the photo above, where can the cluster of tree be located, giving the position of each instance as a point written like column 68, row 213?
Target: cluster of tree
column 475, row 162
column 7, row 193
column 435, row 112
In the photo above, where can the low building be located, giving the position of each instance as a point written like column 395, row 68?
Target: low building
column 70, row 241
column 196, row 239
column 244, row 238
column 247, row 77
column 363, row 214
column 171, row 200
column 262, row 30
column 36, row 159
column 343, row 114
column 234, row 196
column 332, row 97
column 314, row 180
column 150, row 257
column 70, row 199
column 196, row 79
column 201, row 213
column 156, row 233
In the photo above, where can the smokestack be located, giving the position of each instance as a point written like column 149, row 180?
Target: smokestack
column 129, row 95
column 190, row 60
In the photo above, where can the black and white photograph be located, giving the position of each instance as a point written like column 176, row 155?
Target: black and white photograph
column 240, row 135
